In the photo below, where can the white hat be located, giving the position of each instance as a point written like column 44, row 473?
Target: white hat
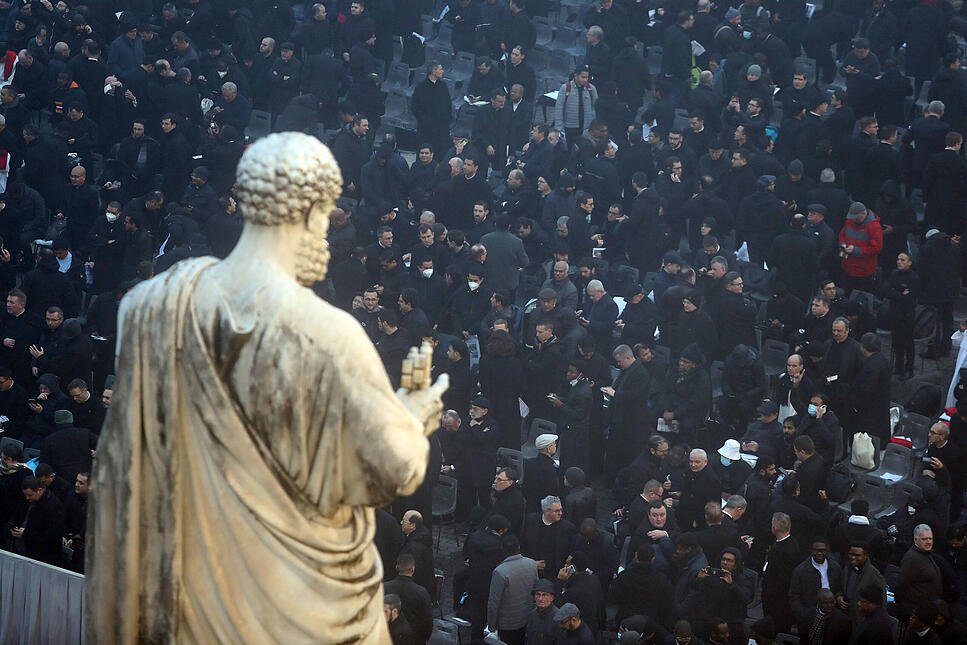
column 730, row 450
column 931, row 233
column 544, row 440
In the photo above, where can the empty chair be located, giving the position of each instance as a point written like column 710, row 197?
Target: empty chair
column 444, row 504
column 915, row 427
column 717, row 372
column 463, row 66
column 464, row 123
column 259, row 125
column 563, row 39
column 902, row 491
column 559, row 68
column 870, row 488
column 579, row 45
column 398, row 77
column 895, row 463
column 774, row 355
column 402, row 117
column 545, row 35
column 442, row 41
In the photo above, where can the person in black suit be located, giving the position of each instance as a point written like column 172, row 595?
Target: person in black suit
column 68, row 449
column 824, row 624
column 547, row 538
column 812, row 472
column 943, row 186
column 416, row 604
column 871, row 392
column 542, row 478
column 44, row 525
column 782, row 559
column 628, row 403
column 574, row 415
column 875, row 628
column 927, row 134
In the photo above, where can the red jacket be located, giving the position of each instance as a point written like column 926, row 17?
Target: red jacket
column 867, row 242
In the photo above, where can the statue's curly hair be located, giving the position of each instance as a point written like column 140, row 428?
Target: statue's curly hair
column 282, row 175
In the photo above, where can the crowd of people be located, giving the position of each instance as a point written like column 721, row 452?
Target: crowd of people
column 603, row 263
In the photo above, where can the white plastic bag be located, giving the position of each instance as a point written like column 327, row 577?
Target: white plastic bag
column 863, row 451
column 742, row 253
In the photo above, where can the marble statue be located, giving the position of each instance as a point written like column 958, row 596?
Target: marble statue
column 252, row 431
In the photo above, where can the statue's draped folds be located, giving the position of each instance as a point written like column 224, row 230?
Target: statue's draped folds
column 251, row 431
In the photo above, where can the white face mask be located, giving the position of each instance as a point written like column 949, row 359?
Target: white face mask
column 473, row 285
column 725, row 461
column 223, row 74
column 427, row 273
column 574, row 382
column 911, row 510
column 111, row 217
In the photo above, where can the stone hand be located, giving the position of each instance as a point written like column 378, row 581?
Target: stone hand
column 426, row 405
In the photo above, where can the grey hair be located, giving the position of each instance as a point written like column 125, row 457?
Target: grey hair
column 549, row 501
column 942, row 429
column 936, row 107
column 595, row 285
column 563, row 220
column 736, row 501
column 782, row 522
column 451, row 414
column 596, row 31
column 230, row 86
column 719, row 260
column 827, row 176
column 622, row 350
column 456, row 162
column 698, row 452
column 920, row 529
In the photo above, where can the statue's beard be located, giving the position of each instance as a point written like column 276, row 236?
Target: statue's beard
column 311, row 259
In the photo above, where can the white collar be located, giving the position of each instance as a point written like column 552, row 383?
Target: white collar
column 859, row 519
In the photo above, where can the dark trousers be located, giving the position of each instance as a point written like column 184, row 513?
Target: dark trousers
column 512, row 636
column 945, row 327
column 863, row 283
column 903, row 356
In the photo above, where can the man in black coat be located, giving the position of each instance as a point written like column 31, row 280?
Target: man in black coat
column 574, row 417
column 68, row 449
column 875, row 627
column 433, row 108
column 928, row 136
column 20, row 330
column 735, row 314
column 547, row 538
column 482, row 552
column 812, row 472
column 45, row 165
column 418, row 543
column 351, row 150
column 508, row 499
column 871, row 391
column 793, row 258
column 688, row 393
column 842, row 362
column 175, row 157
column 542, row 477
column 782, row 559
column 641, row 588
column 628, row 395
column 943, row 186
column 417, row 607
column 44, row 526
column 824, row 624
column 699, row 486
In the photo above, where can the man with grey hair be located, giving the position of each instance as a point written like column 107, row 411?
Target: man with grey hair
column 599, row 314
column 547, row 538
column 456, row 166
column 927, row 134
column 920, row 578
column 947, row 459
column 782, row 560
column 699, row 486
column 231, row 108
column 567, row 293
column 629, row 405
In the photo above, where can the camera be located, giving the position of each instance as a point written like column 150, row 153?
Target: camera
column 713, row 571
column 925, row 459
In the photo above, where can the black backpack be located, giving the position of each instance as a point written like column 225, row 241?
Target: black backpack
column 840, row 483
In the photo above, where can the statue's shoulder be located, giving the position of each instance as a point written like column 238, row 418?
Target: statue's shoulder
column 174, row 283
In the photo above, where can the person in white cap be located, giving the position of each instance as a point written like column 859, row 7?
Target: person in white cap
column 731, row 470
column 542, row 477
